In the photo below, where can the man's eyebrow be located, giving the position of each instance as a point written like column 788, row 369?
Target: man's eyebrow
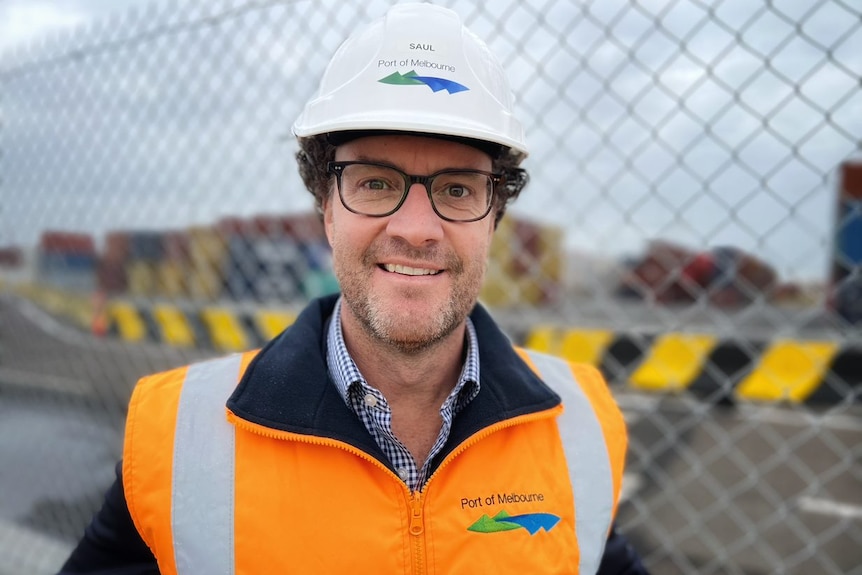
column 365, row 158
column 375, row 160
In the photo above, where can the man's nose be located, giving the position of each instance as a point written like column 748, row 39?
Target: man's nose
column 415, row 221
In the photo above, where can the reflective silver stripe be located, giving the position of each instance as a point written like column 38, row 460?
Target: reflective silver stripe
column 203, row 473
column 587, row 457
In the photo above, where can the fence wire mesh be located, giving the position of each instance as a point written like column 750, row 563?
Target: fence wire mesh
column 693, row 227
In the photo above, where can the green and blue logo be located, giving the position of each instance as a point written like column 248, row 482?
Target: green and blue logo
column 411, row 78
column 502, row 521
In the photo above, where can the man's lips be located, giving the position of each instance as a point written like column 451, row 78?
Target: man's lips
column 409, row 271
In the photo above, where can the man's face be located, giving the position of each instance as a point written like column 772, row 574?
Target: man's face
column 408, row 279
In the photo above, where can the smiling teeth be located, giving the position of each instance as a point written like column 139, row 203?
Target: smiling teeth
column 408, row 271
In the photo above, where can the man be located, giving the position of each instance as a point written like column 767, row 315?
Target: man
column 393, row 428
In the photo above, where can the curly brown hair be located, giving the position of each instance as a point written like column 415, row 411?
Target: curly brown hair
column 316, row 151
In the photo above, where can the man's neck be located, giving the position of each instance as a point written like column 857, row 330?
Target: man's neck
column 414, row 381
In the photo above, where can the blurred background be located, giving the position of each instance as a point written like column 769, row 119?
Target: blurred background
column 693, row 227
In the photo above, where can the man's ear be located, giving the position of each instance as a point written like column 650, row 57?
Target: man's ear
column 326, row 208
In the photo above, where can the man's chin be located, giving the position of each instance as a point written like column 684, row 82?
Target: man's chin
column 412, row 332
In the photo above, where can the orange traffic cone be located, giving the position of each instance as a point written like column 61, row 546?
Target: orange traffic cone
column 99, row 324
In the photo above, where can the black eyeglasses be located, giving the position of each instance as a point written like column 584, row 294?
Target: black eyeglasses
column 372, row 189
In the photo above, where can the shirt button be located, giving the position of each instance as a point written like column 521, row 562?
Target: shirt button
column 403, row 473
column 370, row 400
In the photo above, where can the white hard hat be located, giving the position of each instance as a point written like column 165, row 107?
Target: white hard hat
column 417, row 69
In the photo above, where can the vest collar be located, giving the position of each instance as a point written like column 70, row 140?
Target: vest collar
column 287, row 386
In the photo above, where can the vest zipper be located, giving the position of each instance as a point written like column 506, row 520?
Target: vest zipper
column 417, row 529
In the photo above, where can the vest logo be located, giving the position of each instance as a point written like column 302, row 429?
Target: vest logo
column 502, row 521
column 411, row 78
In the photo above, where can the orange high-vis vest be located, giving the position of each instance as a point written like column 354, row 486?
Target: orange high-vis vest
column 213, row 493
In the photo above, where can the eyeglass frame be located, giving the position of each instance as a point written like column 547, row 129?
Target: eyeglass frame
column 336, row 168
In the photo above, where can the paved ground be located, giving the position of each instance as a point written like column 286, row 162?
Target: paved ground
column 744, row 489
column 710, row 489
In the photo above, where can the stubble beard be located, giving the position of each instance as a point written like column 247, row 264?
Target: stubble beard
column 398, row 329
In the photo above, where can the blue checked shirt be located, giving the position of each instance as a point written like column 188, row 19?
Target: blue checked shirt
column 372, row 408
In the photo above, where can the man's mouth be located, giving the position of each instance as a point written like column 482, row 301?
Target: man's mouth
column 408, row 271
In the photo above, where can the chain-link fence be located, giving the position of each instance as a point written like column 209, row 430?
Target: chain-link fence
column 693, row 227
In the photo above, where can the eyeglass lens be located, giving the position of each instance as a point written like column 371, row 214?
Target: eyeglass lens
column 378, row 190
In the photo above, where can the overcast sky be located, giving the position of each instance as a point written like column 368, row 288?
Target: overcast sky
column 644, row 120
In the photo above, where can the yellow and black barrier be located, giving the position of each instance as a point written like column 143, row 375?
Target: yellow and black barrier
column 721, row 370
column 223, row 328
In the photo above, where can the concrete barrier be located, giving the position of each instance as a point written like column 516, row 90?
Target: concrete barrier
column 715, row 369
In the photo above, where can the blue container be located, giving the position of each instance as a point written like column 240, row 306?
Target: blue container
column 146, row 246
column 848, row 246
column 318, row 256
column 71, row 271
column 264, row 269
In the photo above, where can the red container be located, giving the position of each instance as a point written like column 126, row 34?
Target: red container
column 11, row 257
column 661, row 276
column 117, row 246
column 176, row 246
column 56, row 242
column 305, row 228
column 851, row 181
column 111, row 278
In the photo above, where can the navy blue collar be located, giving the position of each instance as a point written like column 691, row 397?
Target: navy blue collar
column 287, row 387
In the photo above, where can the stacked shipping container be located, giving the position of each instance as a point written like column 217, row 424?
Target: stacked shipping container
column 525, row 266
column 723, row 276
column 207, row 254
column 273, row 259
column 67, row 260
column 277, row 258
column 11, row 257
column 846, row 276
column 267, row 258
column 111, row 275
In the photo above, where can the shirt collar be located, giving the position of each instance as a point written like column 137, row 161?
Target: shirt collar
column 345, row 374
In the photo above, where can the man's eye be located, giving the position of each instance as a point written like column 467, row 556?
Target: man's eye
column 455, row 191
column 376, row 184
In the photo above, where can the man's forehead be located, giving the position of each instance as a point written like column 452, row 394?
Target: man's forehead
column 399, row 149
column 493, row 150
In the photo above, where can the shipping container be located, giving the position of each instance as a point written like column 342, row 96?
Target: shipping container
column 307, row 228
column 207, row 263
column 848, row 249
column 58, row 242
column 207, row 244
column 205, row 282
column 551, row 273
column 171, row 275
column 11, row 257
column 317, row 254
column 175, row 245
column 74, row 271
column 739, row 278
column 111, row 276
column 146, row 246
column 725, row 276
column 846, row 272
column 525, row 264
column 319, row 283
column 116, row 247
column 265, row 269
column 143, row 278
column 658, row 274
column 498, row 289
